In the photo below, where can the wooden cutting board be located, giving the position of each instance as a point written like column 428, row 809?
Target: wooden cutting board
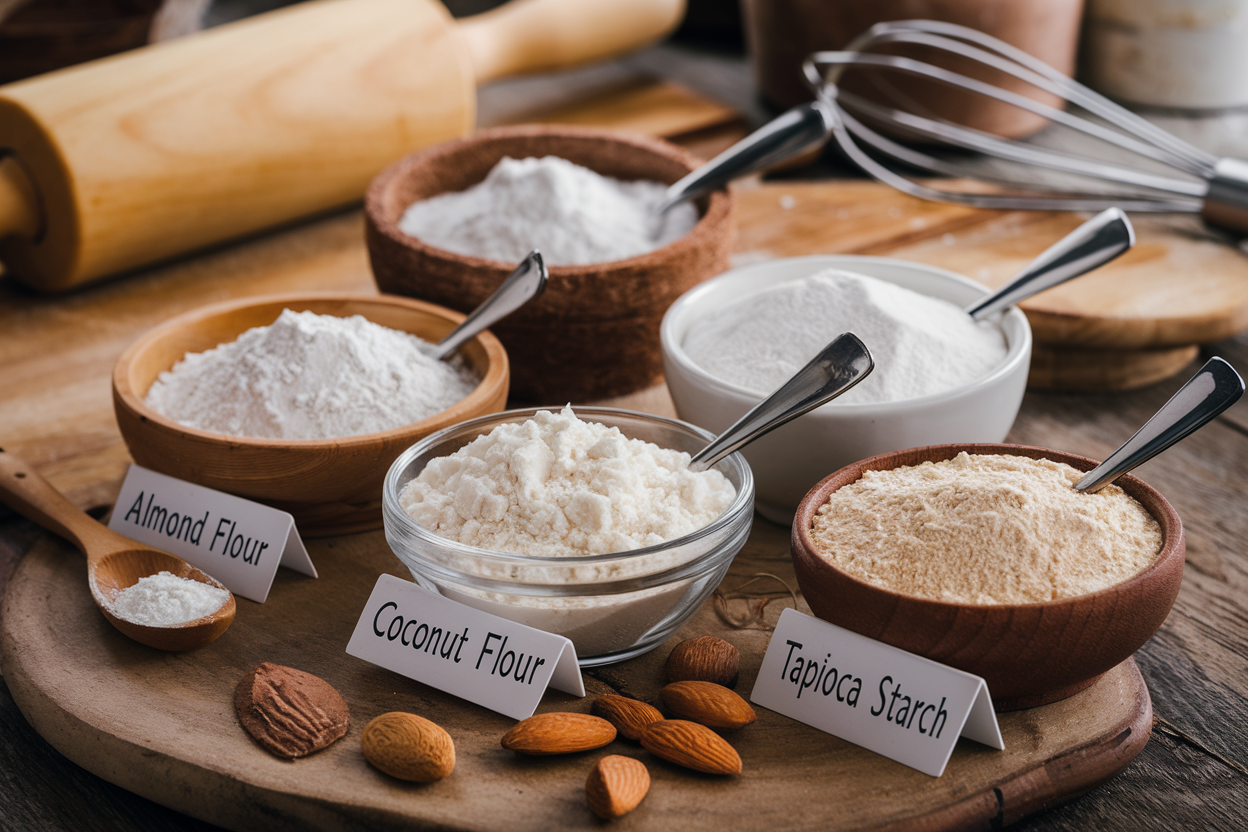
column 1127, row 324
column 163, row 725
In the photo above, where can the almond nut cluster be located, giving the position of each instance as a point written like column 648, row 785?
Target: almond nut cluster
column 617, row 784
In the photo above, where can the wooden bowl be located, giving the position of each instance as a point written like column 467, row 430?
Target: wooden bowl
column 595, row 331
column 331, row 486
column 1029, row 654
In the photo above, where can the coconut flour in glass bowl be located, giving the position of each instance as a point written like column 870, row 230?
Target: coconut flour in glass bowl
column 573, row 215
column 598, row 571
column 921, row 345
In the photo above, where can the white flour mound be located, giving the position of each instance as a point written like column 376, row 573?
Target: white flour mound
column 556, row 486
column 166, row 600
column 309, row 376
column 573, row 215
column 921, row 345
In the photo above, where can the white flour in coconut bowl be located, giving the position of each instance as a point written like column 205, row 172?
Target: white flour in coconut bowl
column 574, row 215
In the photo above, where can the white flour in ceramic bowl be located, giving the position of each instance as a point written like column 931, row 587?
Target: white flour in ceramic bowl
column 572, row 214
column 921, row 345
column 571, row 525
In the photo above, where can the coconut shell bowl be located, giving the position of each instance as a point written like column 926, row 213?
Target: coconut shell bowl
column 594, row 333
column 330, row 486
column 1029, row 654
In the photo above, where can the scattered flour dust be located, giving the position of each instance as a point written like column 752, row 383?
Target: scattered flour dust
column 557, row 486
column 921, row 345
column 166, row 600
column 573, row 215
column 985, row 529
column 310, row 376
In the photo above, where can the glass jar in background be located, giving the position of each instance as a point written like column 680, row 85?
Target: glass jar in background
column 1191, row 54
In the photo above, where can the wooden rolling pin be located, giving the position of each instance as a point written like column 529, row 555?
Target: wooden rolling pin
column 169, row 148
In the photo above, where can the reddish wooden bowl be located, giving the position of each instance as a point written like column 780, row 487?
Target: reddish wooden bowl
column 1029, row 654
column 594, row 333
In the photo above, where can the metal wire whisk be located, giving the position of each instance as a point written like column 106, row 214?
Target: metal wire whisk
column 1196, row 182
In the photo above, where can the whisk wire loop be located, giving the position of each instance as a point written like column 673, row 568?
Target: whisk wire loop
column 1218, row 188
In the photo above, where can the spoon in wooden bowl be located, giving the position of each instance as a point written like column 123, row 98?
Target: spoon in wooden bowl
column 1215, row 387
column 114, row 562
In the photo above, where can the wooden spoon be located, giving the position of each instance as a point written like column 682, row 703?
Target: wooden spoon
column 114, row 562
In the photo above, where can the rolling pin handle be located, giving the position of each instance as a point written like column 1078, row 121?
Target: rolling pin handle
column 525, row 36
column 19, row 202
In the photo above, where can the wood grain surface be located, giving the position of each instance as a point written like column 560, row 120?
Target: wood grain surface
column 163, row 725
column 55, row 357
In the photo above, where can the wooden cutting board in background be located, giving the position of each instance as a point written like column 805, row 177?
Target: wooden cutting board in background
column 1127, row 324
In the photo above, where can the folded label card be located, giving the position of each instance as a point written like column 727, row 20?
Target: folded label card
column 895, row 703
column 236, row 541
column 496, row 663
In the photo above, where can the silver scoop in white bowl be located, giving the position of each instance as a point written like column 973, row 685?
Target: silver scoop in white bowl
column 838, row 367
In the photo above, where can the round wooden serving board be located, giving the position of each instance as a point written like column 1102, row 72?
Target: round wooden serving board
column 163, row 724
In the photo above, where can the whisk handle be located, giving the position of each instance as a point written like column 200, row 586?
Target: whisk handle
column 1226, row 201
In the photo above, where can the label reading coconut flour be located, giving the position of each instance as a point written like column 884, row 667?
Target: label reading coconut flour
column 236, row 541
column 496, row 663
column 895, row 703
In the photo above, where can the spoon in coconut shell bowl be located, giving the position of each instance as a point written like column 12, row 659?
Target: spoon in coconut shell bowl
column 114, row 562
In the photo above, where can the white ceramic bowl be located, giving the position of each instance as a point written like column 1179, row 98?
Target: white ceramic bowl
column 788, row 461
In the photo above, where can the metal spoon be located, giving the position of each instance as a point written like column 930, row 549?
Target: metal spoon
column 785, row 136
column 521, row 286
column 838, row 367
column 1213, row 389
column 114, row 562
column 1092, row 244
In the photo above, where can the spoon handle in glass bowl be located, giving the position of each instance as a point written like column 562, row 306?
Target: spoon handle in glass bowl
column 1213, row 389
column 838, row 367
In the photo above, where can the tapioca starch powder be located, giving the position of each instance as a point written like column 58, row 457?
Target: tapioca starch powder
column 572, row 214
column 985, row 529
column 310, row 376
column 921, row 345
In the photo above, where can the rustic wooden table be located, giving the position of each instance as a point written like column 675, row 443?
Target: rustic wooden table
column 55, row 411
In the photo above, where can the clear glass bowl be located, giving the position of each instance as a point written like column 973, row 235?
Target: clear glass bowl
column 614, row 606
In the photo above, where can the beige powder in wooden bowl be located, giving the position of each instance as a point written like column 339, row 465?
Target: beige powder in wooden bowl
column 985, row 529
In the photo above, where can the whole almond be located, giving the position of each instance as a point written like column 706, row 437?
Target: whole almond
column 629, row 716
column 691, row 745
column 705, row 659
column 615, row 786
column 408, row 747
column 708, row 703
column 289, row 712
column 558, row 733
